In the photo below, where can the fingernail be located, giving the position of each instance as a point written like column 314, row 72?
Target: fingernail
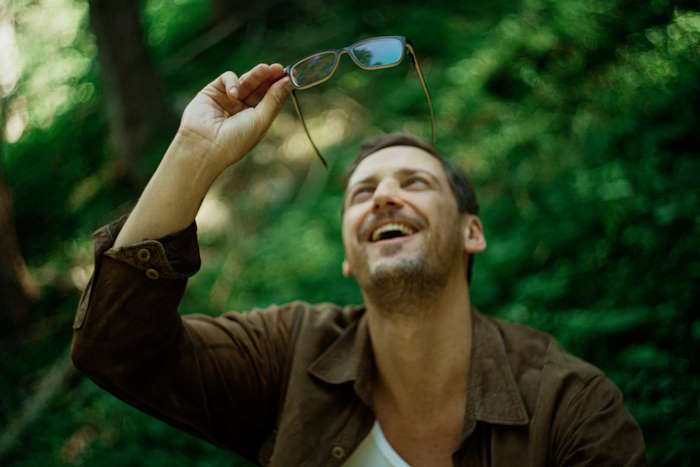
column 233, row 90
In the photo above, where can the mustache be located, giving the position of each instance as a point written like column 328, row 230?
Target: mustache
column 371, row 222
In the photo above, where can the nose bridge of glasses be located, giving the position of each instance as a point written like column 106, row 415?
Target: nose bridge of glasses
column 350, row 53
column 346, row 51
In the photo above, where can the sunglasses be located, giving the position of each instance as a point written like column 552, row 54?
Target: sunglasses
column 375, row 53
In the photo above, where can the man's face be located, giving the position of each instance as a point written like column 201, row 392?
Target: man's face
column 401, row 220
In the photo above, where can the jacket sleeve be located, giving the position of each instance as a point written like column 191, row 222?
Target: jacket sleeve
column 594, row 428
column 217, row 378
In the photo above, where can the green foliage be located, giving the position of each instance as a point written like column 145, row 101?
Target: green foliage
column 576, row 120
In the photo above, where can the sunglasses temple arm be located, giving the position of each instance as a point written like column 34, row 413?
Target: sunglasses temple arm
column 298, row 109
column 414, row 59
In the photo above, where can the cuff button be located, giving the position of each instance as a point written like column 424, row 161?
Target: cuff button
column 338, row 452
column 152, row 274
column 143, row 255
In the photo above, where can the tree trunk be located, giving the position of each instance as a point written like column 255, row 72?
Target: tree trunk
column 135, row 98
column 18, row 290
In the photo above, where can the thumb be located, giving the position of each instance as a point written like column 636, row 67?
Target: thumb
column 273, row 101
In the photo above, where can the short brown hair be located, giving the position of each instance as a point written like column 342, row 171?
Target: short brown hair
column 462, row 188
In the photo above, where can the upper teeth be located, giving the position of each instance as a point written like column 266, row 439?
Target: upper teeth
column 404, row 229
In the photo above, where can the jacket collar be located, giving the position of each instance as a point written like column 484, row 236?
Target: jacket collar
column 493, row 395
column 349, row 359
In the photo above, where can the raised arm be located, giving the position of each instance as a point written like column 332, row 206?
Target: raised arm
column 218, row 378
column 222, row 123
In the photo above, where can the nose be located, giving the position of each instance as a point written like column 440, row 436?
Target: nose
column 386, row 195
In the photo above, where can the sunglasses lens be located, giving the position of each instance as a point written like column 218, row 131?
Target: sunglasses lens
column 378, row 52
column 313, row 69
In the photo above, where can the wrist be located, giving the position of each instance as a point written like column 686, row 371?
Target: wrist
column 195, row 155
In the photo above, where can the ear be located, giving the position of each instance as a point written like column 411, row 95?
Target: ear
column 473, row 232
column 347, row 272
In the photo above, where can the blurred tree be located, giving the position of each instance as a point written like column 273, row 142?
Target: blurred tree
column 18, row 290
column 135, row 98
column 222, row 10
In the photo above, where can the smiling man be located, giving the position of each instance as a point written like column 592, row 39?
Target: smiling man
column 408, row 246
column 415, row 376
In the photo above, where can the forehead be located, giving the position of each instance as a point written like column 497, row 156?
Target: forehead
column 395, row 159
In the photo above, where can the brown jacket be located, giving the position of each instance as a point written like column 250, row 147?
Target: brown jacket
column 291, row 385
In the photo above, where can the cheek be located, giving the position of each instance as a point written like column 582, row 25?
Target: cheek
column 448, row 219
column 352, row 221
column 346, row 241
column 348, row 237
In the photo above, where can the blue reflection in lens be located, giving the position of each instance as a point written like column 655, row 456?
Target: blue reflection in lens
column 378, row 52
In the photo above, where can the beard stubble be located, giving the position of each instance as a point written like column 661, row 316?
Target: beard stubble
column 398, row 284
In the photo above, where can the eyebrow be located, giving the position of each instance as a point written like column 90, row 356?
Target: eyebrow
column 400, row 172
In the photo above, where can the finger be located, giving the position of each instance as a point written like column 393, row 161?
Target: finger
column 256, row 96
column 251, row 80
column 219, row 91
column 230, row 82
column 277, row 68
column 223, row 81
column 274, row 100
column 230, row 105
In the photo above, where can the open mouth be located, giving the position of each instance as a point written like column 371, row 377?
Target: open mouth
column 390, row 231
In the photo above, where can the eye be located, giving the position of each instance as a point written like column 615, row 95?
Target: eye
column 415, row 182
column 361, row 194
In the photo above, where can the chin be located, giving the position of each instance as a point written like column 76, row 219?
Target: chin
column 396, row 267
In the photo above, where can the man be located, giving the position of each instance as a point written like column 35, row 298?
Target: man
column 415, row 376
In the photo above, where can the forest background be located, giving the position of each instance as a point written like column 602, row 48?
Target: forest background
column 576, row 119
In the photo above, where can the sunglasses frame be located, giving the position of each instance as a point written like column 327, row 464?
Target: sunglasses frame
column 405, row 44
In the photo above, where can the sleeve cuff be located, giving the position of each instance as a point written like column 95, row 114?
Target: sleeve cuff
column 171, row 257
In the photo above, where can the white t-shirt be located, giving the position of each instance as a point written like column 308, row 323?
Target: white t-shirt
column 375, row 451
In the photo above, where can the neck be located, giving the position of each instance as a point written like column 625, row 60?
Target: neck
column 422, row 346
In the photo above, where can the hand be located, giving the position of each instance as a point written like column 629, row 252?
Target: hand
column 231, row 114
